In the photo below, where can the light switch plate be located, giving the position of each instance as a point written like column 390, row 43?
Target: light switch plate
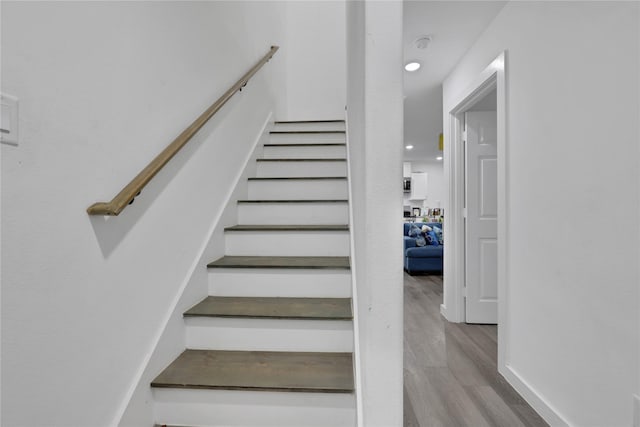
column 9, row 119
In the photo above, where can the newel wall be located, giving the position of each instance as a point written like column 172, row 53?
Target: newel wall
column 572, row 98
column 374, row 111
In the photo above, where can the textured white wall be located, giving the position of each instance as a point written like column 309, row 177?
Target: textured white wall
column 103, row 87
column 316, row 60
column 374, row 110
column 573, row 199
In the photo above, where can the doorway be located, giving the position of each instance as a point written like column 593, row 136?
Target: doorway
column 479, row 139
column 454, row 308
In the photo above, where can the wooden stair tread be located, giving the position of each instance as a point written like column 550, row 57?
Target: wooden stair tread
column 296, row 201
column 302, row 160
column 259, row 370
column 274, row 308
column 310, row 121
column 315, row 144
column 293, row 227
column 299, row 178
column 301, row 262
column 305, row 131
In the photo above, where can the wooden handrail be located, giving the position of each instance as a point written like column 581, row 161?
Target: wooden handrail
column 133, row 188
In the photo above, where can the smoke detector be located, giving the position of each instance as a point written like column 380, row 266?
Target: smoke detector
column 422, row 42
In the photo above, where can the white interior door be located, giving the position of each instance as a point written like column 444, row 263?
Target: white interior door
column 481, row 236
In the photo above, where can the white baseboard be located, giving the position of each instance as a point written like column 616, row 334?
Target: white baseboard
column 443, row 311
column 533, row 398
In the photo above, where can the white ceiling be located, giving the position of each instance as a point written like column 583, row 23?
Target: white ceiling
column 453, row 27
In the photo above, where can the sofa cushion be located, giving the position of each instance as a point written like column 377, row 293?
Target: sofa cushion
column 424, row 252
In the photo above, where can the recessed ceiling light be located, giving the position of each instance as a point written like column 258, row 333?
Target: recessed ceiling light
column 409, row 147
column 439, row 158
column 412, row 66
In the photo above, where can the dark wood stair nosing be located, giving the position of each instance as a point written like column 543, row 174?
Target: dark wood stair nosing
column 288, row 227
column 294, row 201
column 285, row 132
column 282, row 262
column 256, row 316
column 276, row 308
column 309, row 121
column 296, row 159
column 288, row 371
column 314, row 144
column 249, row 388
column 298, row 178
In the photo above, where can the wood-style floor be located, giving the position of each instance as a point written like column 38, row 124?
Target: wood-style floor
column 450, row 373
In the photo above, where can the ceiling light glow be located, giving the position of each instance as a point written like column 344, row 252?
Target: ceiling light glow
column 439, row 158
column 409, row 147
column 412, row 66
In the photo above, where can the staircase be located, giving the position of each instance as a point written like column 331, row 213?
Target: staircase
column 272, row 343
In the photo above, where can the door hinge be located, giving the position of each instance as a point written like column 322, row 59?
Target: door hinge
column 464, row 213
column 464, row 292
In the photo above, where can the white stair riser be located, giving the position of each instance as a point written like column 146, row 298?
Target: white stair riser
column 293, row 213
column 253, row 408
column 210, row 333
column 306, row 152
column 309, row 126
column 300, row 169
column 298, row 189
column 276, row 282
column 287, row 243
column 302, row 138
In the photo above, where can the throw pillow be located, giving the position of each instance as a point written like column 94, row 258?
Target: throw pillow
column 431, row 238
column 439, row 234
column 415, row 232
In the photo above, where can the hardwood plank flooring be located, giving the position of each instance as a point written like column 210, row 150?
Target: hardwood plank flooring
column 450, row 370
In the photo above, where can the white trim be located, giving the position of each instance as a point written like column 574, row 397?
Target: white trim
column 176, row 299
column 491, row 77
column 533, row 398
column 354, row 294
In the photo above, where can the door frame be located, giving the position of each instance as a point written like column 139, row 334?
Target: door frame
column 454, row 258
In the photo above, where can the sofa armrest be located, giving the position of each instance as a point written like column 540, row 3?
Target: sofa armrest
column 409, row 242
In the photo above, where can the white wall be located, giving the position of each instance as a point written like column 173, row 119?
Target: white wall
column 316, row 61
column 435, row 185
column 374, row 110
column 572, row 201
column 103, row 87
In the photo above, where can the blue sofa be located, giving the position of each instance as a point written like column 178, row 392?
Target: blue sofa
column 423, row 259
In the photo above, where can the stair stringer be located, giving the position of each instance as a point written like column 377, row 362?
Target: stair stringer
column 357, row 369
column 170, row 339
